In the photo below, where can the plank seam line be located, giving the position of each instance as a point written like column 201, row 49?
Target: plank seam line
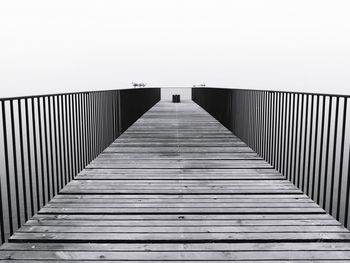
column 184, row 241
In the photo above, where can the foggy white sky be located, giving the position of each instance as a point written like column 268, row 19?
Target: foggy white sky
column 58, row 46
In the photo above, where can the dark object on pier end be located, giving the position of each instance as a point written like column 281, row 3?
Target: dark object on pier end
column 176, row 98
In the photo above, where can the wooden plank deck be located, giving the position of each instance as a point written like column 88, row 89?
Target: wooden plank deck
column 177, row 186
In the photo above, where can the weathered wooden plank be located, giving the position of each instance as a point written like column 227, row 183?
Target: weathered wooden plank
column 173, row 261
column 181, row 164
column 37, row 221
column 175, row 199
column 183, row 198
column 179, row 205
column 187, row 256
column 178, row 247
column 218, row 210
column 189, row 171
column 183, row 217
column 181, row 149
column 176, row 191
column 179, row 182
column 183, row 174
column 179, row 237
column 181, row 156
column 182, row 229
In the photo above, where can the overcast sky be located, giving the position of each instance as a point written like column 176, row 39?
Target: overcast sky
column 58, row 46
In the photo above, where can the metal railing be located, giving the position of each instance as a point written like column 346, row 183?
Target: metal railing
column 46, row 140
column 305, row 136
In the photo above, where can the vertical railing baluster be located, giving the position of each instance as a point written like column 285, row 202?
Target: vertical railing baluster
column 109, row 120
column 308, row 169
column 315, row 148
column 302, row 153
column 64, row 140
column 258, row 125
column 7, row 168
column 93, row 120
column 291, row 145
column 277, row 131
column 255, row 128
column 274, row 125
column 71, row 138
column 59, row 135
column 79, row 111
column 98, row 120
column 91, row 127
column 347, row 194
column 46, row 150
column 29, row 158
column 268, row 126
column 2, row 216
column 42, row 149
column 342, row 161
column 286, row 136
column 104, row 134
column 68, row 142
column 335, row 137
column 321, row 149
column 113, row 114
column 282, row 128
column 75, row 133
column 300, row 135
column 21, row 149
column 248, row 121
column 261, row 123
column 265, row 100
column 329, row 122
column 15, row 168
column 57, row 153
column 84, row 127
column 52, row 179
column 35, row 150
column 295, row 146
column 88, row 129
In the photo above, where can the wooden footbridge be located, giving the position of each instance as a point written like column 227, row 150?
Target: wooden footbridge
column 178, row 186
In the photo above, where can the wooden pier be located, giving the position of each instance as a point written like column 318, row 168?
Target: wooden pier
column 178, row 186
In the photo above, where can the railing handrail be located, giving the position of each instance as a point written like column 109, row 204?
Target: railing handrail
column 280, row 91
column 65, row 93
column 247, row 89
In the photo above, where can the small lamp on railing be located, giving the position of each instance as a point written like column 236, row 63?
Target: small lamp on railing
column 140, row 85
column 200, row 85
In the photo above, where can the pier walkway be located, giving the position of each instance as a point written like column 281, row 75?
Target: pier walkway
column 178, row 186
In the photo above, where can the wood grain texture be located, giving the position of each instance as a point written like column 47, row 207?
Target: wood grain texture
column 177, row 186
